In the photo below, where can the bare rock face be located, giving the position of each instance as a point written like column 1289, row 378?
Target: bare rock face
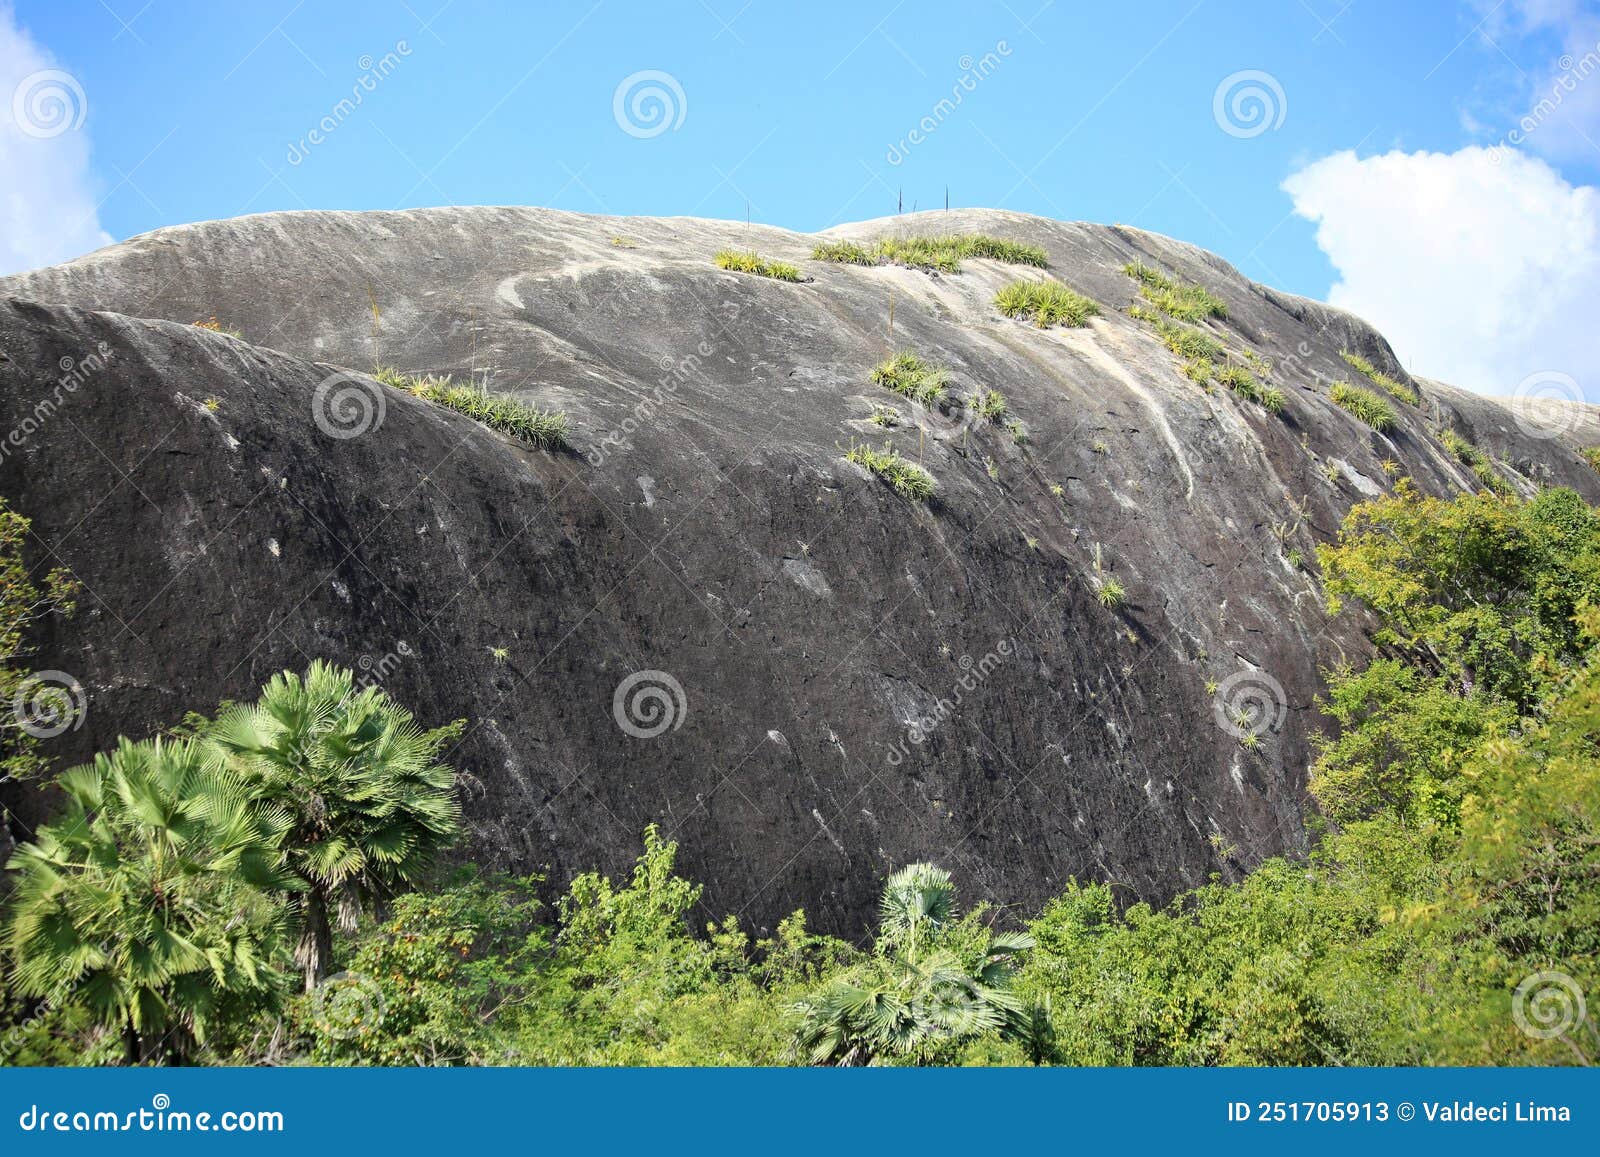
column 702, row 614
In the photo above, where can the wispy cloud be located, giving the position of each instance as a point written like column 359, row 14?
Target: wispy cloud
column 47, row 203
column 1481, row 266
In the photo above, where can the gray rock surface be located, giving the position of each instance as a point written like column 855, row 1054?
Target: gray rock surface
column 864, row 680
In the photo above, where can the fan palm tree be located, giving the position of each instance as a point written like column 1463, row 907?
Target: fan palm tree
column 153, row 901
column 920, row 993
column 369, row 801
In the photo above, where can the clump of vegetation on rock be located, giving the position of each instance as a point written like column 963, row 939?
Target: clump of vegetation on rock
column 743, row 261
column 1046, row 303
column 1475, row 460
column 546, row 429
column 1394, row 388
column 1364, row 405
column 911, row 377
column 908, row 479
column 1177, row 299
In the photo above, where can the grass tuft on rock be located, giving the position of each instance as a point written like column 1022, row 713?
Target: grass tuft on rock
column 1395, row 389
column 844, row 253
column 546, row 429
column 1365, row 405
column 911, row 377
column 908, row 479
column 749, row 261
column 1475, row 460
column 1177, row 299
column 945, row 253
column 1046, row 303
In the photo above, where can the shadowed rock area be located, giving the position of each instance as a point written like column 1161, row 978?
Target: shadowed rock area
column 865, row 679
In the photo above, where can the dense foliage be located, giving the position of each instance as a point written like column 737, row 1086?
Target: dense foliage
column 1448, row 914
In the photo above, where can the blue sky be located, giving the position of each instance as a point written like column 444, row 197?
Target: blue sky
column 1103, row 112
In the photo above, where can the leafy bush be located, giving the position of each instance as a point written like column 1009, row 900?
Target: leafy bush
column 908, row 479
column 1365, row 405
column 546, row 429
column 911, row 377
column 1177, row 299
column 1046, row 302
column 740, row 261
column 24, row 604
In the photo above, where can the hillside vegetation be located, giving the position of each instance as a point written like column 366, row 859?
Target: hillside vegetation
column 264, row 886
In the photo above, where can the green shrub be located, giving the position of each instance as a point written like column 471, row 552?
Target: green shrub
column 1046, row 302
column 1395, row 389
column 911, row 377
column 1364, row 404
column 844, row 253
column 1591, row 455
column 908, row 479
column 1177, row 299
column 740, row 261
column 1198, row 370
column 546, row 429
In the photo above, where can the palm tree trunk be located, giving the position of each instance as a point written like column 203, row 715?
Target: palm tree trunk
column 130, row 1045
column 316, row 937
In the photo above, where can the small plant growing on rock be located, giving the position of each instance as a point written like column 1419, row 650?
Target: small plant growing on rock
column 212, row 324
column 1177, row 299
column 885, row 416
column 1591, row 455
column 1364, row 405
column 1045, row 303
column 624, row 243
column 944, row 253
column 499, row 654
column 844, row 253
column 908, row 479
column 1109, row 592
column 740, row 261
column 988, row 404
column 212, row 404
column 1395, row 389
column 1475, row 460
column 546, row 429
column 1198, row 370
column 911, row 377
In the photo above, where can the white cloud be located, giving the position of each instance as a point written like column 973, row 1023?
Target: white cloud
column 47, row 203
column 1481, row 267
column 1556, row 109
